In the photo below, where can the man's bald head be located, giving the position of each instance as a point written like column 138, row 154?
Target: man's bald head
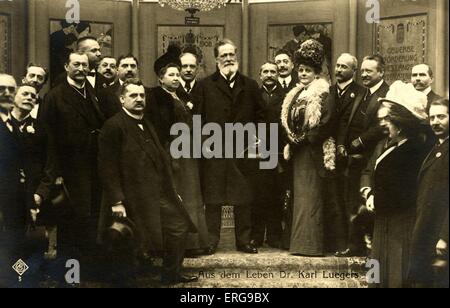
column 8, row 87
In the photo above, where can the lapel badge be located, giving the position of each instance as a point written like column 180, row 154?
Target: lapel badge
column 438, row 154
column 352, row 95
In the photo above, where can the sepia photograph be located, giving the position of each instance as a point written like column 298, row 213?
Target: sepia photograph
column 232, row 148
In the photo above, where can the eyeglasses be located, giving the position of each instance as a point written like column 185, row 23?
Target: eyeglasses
column 10, row 89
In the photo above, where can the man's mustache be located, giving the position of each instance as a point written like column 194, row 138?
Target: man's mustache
column 270, row 78
column 6, row 99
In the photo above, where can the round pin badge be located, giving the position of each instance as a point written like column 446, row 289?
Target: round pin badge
column 438, row 154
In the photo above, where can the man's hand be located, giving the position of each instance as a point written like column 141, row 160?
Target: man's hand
column 34, row 213
column 37, row 200
column 365, row 191
column 370, row 204
column 441, row 248
column 342, row 151
column 118, row 210
column 356, row 144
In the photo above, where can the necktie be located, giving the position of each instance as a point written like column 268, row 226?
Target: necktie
column 91, row 74
column 188, row 87
column 368, row 95
column 230, row 80
column 284, row 84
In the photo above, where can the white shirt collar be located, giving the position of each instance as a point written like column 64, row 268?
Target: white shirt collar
column 443, row 141
column 183, row 83
column 4, row 116
column 12, row 115
column 91, row 79
column 73, row 84
column 288, row 80
column 224, row 76
column 231, row 77
column 136, row 117
column 376, row 87
column 121, row 82
column 427, row 91
column 344, row 84
column 267, row 90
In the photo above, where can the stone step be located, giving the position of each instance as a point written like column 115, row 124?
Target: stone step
column 275, row 283
column 272, row 268
column 273, row 259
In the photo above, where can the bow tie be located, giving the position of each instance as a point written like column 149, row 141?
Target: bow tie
column 91, row 74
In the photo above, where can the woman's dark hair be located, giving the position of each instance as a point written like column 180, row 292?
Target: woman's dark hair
column 163, row 70
column 406, row 122
column 302, row 61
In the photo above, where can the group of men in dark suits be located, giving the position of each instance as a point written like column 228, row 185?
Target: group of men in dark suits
column 92, row 137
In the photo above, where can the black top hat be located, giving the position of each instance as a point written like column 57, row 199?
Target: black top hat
column 120, row 232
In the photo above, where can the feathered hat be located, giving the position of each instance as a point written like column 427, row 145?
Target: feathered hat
column 407, row 96
column 310, row 53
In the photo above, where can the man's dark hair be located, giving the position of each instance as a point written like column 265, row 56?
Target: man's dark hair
column 83, row 39
column 130, row 81
column 223, row 42
column 163, row 70
column 31, row 64
column 126, row 57
column 377, row 58
column 106, row 57
column 26, row 84
column 284, row 52
column 440, row 102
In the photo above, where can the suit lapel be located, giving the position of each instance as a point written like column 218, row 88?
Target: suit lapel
column 374, row 104
column 432, row 158
column 222, row 85
column 75, row 100
column 138, row 137
column 238, row 88
column 356, row 104
column 90, row 93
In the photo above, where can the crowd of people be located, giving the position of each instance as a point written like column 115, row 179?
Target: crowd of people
column 362, row 169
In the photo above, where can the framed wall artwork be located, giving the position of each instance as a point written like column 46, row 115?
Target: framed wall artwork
column 290, row 37
column 63, row 37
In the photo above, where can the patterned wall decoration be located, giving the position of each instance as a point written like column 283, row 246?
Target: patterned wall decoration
column 402, row 41
column 196, row 39
column 5, row 43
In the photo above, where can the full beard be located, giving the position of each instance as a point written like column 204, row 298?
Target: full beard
column 229, row 69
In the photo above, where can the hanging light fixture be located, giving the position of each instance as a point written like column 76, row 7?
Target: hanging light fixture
column 194, row 6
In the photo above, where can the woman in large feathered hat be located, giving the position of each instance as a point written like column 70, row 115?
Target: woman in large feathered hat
column 306, row 118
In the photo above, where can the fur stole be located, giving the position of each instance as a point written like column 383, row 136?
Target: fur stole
column 313, row 95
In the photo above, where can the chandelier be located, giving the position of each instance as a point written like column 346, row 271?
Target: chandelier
column 193, row 6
